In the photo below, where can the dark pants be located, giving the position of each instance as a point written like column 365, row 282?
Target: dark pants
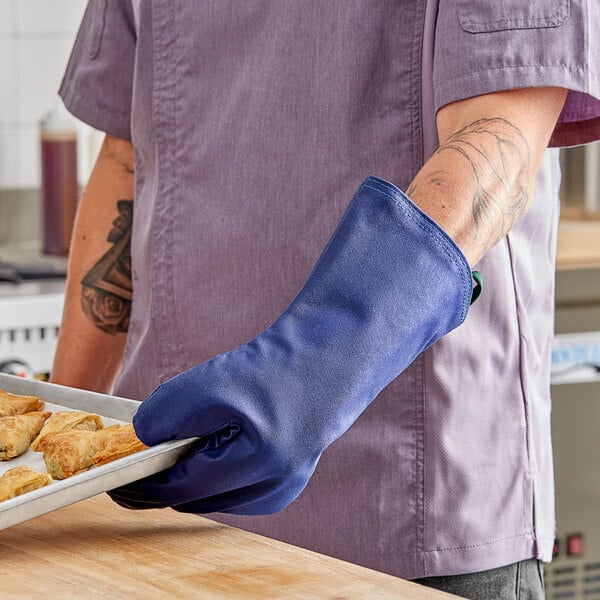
column 520, row 581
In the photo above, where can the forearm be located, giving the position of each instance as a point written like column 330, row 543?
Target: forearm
column 481, row 179
column 98, row 293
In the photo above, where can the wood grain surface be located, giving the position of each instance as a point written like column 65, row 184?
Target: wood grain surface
column 578, row 244
column 96, row 549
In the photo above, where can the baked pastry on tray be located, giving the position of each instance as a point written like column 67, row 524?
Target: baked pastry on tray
column 67, row 453
column 121, row 442
column 19, row 480
column 15, row 404
column 65, row 420
column 16, row 433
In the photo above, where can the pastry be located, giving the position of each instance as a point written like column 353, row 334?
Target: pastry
column 18, row 480
column 14, row 404
column 69, row 452
column 16, row 433
column 64, row 420
column 121, row 442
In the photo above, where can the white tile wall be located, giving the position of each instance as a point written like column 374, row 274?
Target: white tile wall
column 28, row 155
column 9, row 150
column 8, row 61
column 6, row 16
column 42, row 17
column 40, row 65
column 36, row 37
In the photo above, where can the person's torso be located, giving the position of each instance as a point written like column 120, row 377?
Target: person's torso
column 253, row 124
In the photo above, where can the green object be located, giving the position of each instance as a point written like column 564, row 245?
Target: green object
column 478, row 287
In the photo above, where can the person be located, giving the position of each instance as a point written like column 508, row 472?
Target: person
column 245, row 260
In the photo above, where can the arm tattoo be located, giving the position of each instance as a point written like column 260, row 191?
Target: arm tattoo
column 107, row 288
column 497, row 176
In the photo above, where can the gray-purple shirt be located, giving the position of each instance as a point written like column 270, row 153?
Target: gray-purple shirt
column 253, row 123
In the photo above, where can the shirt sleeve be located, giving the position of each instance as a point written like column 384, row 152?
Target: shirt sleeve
column 486, row 46
column 98, row 81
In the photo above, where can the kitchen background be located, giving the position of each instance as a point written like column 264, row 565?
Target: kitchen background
column 35, row 41
column 36, row 37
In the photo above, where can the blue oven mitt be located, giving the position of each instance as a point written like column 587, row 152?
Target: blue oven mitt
column 388, row 284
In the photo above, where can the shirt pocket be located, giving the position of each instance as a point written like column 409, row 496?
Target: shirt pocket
column 486, row 16
column 93, row 26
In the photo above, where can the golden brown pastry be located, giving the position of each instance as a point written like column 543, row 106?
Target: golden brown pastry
column 69, row 452
column 121, row 442
column 18, row 480
column 17, row 432
column 64, row 420
column 14, row 404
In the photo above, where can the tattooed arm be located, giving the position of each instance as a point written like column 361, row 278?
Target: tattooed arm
column 481, row 179
column 99, row 290
column 476, row 186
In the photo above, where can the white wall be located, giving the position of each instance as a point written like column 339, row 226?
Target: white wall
column 36, row 37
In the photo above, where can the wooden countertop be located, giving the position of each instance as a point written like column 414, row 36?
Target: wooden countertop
column 578, row 244
column 97, row 549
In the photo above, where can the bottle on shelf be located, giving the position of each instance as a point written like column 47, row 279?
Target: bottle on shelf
column 60, row 191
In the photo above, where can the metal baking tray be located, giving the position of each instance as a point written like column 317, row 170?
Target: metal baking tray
column 96, row 480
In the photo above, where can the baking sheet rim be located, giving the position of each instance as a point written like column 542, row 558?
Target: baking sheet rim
column 96, row 480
